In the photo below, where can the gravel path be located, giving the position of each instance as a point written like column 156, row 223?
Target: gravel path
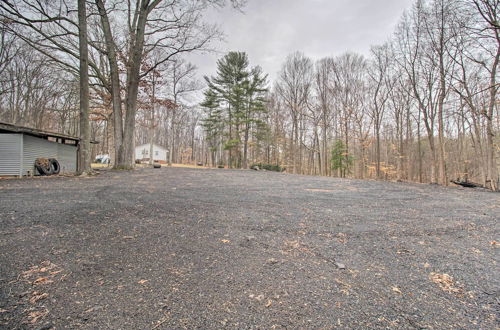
column 204, row 248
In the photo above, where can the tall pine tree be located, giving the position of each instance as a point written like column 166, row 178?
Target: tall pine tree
column 233, row 102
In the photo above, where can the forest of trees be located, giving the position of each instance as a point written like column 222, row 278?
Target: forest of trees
column 234, row 103
column 103, row 59
column 421, row 107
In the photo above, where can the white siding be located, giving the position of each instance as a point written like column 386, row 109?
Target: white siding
column 10, row 154
column 159, row 153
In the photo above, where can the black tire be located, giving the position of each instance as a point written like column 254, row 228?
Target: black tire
column 42, row 170
column 54, row 165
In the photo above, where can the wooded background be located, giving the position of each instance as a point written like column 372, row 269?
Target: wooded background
column 422, row 107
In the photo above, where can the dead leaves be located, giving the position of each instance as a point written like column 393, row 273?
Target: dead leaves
column 35, row 316
column 41, row 277
column 46, row 266
column 43, row 274
column 344, row 287
column 341, row 238
column 262, row 298
column 37, row 296
column 225, row 241
column 396, row 289
column 143, row 281
column 445, row 282
column 41, row 280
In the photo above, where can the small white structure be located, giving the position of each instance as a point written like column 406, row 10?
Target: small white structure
column 160, row 154
column 102, row 159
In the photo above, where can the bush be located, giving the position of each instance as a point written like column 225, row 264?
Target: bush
column 268, row 167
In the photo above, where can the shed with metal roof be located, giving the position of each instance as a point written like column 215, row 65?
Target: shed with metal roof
column 21, row 146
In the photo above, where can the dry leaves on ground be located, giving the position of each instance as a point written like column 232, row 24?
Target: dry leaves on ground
column 45, row 266
column 35, row 316
column 445, row 282
column 36, row 296
column 396, row 289
column 42, row 280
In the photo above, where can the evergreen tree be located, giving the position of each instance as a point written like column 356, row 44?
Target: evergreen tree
column 341, row 160
column 237, row 91
column 213, row 124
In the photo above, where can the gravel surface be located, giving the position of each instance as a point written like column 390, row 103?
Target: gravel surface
column 203, row 248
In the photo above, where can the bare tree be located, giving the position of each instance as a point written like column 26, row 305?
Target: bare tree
column 294, row 88
column 379, row 75
column 84, row 146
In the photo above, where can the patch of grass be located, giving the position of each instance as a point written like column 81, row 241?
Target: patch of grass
column 98, row 165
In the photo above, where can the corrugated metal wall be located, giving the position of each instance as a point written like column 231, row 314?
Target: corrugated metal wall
column 10, row 154
column 66, row 155
column 36, row 148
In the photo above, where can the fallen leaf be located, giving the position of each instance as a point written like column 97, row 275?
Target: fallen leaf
column 38, row 296
column 269, row 303
column 225, row 240
column 42, row 280
column 396, row 289
column 477, row 251
column 143, row 281
column 445, row 282
column 36, row 315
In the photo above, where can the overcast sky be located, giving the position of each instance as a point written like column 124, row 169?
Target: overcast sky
column 269, row 30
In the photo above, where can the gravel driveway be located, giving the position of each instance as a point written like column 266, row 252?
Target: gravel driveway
column 205, row 248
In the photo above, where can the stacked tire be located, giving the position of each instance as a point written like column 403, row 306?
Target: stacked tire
column 47, row 166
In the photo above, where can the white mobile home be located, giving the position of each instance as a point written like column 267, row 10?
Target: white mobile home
column 21, row 146
column 160, row 154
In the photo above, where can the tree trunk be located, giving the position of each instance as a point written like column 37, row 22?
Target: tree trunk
column 84, row 147
column 133, row 75
column 441, row 152
column 490, row 147
column 115, row 84
column 377, row 143
column 152, row 125
column 245, row 146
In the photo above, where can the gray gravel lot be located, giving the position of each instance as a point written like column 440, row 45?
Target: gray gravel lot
column 204, row 248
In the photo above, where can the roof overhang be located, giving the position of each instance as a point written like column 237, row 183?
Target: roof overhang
column 6, row 127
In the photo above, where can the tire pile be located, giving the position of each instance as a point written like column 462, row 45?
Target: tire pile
column 47, row 166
